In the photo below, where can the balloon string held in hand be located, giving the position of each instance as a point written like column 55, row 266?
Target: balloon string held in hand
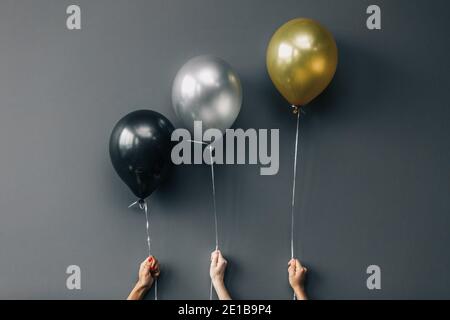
column 210, row 148
column 294, row 178
column 297, row 111
column 215, row 210
column 143, row 206
column 214, row 196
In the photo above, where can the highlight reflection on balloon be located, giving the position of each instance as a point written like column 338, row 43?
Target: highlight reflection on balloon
column 207, row 89
column 301, row 60
column 139, row 147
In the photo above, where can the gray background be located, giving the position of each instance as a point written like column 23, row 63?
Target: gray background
column 373, row 184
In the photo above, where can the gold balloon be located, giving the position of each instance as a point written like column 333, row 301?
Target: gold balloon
column 301, row 59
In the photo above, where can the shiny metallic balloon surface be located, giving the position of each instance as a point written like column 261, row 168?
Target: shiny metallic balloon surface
column 302, row 57
column 207, row 89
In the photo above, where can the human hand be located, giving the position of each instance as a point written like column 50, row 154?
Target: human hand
column 297, row 275
column 217, row 268
column 148, row 272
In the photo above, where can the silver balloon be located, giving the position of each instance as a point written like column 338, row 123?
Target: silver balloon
column 207, row 89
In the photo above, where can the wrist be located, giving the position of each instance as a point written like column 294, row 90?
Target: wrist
column 142, row 286
column 139, row 291
column 300, row 293
column 298, row 287
column 217, row 282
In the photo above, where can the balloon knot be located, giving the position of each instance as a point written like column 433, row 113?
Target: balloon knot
column 295, row 109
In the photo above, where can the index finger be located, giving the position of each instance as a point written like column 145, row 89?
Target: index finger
column 155, row 265
column 214, row 257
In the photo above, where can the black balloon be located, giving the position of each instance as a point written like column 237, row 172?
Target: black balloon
column 140, row 148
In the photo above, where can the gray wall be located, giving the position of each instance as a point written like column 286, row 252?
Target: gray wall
column 373, row 185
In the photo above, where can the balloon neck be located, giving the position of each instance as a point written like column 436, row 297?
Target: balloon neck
column 295, row 109
column 141, row 203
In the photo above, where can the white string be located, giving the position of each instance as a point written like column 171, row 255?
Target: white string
column 294, row 178
column 143, row 206
column 147, row 226
column 214, row 203
column 214, row 196
column 198, row 142
column 215, row 210
column 211, row 290
column 293, row 187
